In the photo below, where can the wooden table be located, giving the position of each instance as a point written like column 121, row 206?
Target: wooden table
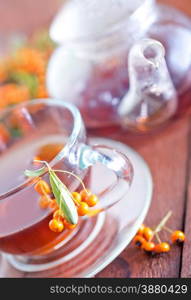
column 168, row 153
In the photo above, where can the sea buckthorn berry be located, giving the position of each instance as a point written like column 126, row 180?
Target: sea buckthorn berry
column 162, row 248
column 58, row 215
column 4, row 134
column 12, row 93
column 92, row 200
column 178, row 237
column 56, row 225
column 53, row 204
column 42, row 91
column 68, row 225
column 138, row 241
column 77, row 196
column 141, row 229
column 148, row 246
column 85, row 194
column 42, row 187
column 147, row 233
column 44, row 202
column 83, row 209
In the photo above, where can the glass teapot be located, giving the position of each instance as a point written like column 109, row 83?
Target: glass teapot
column 110, row 63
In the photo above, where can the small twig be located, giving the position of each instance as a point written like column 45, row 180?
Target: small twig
column 163, row 222
column 42, row 162
column 168, row 229
column 76, row 201
column 158, row 238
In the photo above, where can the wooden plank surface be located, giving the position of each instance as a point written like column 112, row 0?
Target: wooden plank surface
column 167, row 155
column 186, row 255
column 183, row 5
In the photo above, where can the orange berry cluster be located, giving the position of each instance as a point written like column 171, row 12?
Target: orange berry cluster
column 30, row 60
column 12, row 93
column 144, row 239
column 83, row 201
column 4, row 134
column 44, row 190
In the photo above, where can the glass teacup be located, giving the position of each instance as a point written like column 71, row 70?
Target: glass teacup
column 53, row 131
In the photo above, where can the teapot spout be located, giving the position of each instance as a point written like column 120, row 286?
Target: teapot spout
column 151, row 99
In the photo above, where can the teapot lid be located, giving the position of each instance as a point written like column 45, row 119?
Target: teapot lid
column 82, row 19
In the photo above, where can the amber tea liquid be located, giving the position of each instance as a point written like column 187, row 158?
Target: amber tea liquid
column 23, row 224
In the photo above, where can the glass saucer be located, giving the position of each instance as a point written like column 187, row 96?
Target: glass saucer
column 99, row 239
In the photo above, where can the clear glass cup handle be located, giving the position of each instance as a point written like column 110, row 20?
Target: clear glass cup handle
column 116, row 162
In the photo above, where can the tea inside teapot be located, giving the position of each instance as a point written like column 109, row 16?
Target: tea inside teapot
column 90, row 67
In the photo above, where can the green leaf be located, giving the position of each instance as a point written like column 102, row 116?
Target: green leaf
column 16, row 132
column 26, row 79
column 63, row 198
column 35, row 173
column 42, row 40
